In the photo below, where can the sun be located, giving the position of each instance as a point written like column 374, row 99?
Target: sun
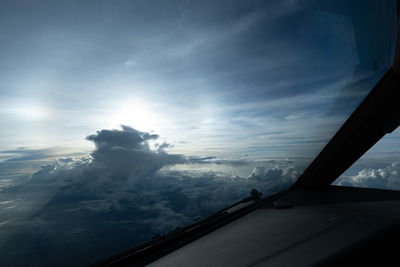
column 135, row 113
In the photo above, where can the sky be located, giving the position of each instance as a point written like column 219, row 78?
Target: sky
column 206, row 77
column 121, row 120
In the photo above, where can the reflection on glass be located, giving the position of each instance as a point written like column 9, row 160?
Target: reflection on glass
column 214, row 99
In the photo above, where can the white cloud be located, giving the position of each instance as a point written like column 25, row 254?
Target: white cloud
column 385, row 178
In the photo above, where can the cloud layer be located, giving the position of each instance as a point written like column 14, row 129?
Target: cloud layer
column 387, row 177
column 123, row 194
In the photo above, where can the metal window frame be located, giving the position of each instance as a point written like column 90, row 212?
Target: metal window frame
column 377, row 115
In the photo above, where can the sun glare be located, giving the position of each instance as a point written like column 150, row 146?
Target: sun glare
column 136, row 114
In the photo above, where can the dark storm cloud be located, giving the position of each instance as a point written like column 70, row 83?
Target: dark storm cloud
column 128, row 138
column 129, row 150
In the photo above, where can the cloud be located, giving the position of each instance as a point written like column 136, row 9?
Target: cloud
column 23, row 154
column 217, row 161
column 275, row 175
column 128, row 177
column 128, row 151
column 384, row 178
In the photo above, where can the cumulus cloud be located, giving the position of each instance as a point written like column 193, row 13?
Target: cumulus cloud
column 275, row 175
column 127, row 179
column 385, row 178
column 129, row 150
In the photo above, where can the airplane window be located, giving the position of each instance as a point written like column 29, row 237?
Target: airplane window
column 378, row 168
column 122, row 120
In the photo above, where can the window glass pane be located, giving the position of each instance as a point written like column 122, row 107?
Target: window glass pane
column 378, row 168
